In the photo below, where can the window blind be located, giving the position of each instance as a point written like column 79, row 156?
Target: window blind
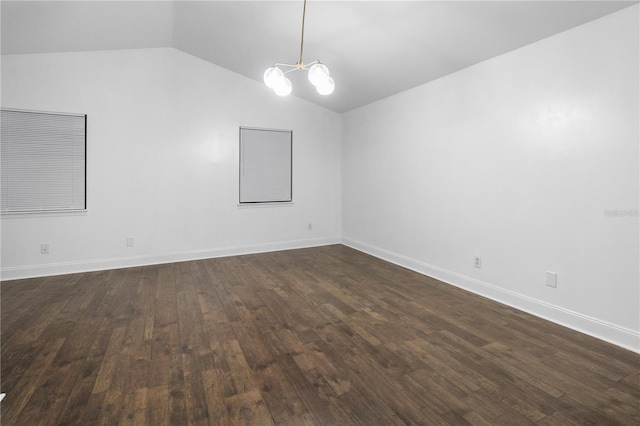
column 42, row 161
column 265, row 165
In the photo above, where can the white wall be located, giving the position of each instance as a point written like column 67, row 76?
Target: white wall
column 516, row 160
column 163, row 162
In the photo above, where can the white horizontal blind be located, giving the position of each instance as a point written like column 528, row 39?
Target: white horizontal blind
column 265, row 165
column 43, row 161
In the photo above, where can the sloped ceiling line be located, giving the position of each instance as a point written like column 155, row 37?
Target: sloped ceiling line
column 373, row 48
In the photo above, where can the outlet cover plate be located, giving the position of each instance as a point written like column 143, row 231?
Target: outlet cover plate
column 477, row 262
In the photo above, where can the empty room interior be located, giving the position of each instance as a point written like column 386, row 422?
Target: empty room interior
column 320, row 212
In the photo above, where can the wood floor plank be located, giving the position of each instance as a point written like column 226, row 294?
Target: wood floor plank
column 248, row 409
column 157, row 406
column 77, row 400
column 91, row 413
column 285, row 405
column 215, row 391
column 110, row 362
column 320, row 336
column 195, row 397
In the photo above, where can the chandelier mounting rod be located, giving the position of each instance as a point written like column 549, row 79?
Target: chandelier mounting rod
column 304, row 12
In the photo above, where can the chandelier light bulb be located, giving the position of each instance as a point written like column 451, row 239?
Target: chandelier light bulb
column 272, row 76
column 318, row 74
column 326, row 86
column 283, row 86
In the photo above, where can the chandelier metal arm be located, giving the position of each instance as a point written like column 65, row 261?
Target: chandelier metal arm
column 299, row 66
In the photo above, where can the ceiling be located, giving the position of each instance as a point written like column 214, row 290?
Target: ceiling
column 374, row 49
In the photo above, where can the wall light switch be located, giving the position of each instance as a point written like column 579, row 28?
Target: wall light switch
column 129, row 241
column 552, row 279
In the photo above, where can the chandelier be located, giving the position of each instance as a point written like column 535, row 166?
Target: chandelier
column 275, row 78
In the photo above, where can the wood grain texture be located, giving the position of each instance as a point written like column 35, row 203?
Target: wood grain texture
column 321, row 336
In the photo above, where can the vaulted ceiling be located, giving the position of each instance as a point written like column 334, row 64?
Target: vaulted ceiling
column 374, row 49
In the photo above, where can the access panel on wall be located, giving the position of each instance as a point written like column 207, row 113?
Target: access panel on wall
column 265, row 165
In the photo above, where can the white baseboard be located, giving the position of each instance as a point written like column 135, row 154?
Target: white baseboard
column 33, row 271
column 602, row 330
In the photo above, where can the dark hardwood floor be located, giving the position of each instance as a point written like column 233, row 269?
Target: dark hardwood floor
column 322, row 336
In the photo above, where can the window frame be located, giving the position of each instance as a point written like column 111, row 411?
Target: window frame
column 264, row 202
column 55, row 211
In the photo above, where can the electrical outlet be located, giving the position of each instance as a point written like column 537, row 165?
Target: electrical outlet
column 477, row 262
column 309, row 226
column 44, row 248
column 129, row 241
column 552, row 279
